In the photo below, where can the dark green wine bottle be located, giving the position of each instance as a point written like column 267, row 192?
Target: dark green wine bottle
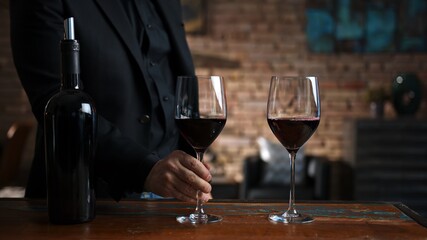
column 70, row 139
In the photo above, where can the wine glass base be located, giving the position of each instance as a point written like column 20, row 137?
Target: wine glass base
column 290, row 218
column 199, row 219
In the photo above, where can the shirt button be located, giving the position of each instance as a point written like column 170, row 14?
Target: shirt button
column 165, row 98
column 149, row 26
column 144, row 119
column 153, row 63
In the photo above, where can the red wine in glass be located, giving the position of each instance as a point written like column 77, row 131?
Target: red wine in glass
column 200, row 133
column 293, row 114
column 200, row 115
column 293, row 132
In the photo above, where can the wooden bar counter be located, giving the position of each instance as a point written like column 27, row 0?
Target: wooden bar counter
column 27, row 219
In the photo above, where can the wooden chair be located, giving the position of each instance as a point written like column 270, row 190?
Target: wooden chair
column 13, row 149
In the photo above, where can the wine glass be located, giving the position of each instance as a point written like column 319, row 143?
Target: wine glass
column 200, row 115
column 293, row 114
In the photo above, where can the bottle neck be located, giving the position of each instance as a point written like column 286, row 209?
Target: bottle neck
column 70, row 65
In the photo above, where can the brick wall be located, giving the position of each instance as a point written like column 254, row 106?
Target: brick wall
column 265, row 38
column 247, row 42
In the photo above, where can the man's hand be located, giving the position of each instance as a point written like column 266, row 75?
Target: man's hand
column 179, row 175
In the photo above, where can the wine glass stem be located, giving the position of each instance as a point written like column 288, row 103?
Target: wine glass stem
column 291, row 209
column 199, row 207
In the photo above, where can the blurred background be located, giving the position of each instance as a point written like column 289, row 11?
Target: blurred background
column 370, row 58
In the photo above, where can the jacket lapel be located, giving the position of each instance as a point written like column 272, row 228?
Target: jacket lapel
column 171, row 13
column 117, row 16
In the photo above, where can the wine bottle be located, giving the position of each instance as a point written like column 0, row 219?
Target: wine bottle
column 70, row 125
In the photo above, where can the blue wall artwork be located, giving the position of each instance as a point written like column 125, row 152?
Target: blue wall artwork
column 366, row 26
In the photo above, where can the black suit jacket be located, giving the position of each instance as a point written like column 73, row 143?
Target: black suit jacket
column 112, row 74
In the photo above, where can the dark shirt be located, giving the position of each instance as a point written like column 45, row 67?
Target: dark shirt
column 156, row 48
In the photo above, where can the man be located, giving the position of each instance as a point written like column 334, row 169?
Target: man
column 131, row 52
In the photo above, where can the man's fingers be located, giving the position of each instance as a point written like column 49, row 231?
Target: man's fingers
column 183, row 196
column 196, row 166
column 183, row 191
column 174, row 187
column 190, row 179
column 179, row 175
column 185, row 188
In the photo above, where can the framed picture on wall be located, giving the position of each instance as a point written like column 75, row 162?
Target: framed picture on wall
column 370, row 26
column 413, row 26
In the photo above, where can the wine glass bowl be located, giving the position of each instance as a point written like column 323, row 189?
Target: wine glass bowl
column 293, row 114
column 200, row 115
